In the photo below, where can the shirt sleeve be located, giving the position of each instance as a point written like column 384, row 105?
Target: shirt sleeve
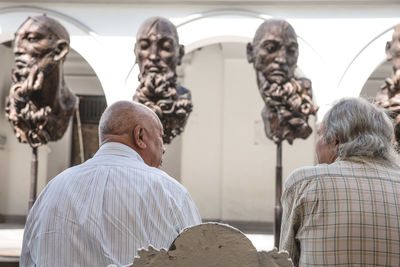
column 188, row 215
column 26, row 259
column 291, row 221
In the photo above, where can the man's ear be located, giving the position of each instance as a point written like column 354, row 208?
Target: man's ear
column 138, row 137
column 61, row 50
column 250, row 57
column 181, row 54
column 388, row 52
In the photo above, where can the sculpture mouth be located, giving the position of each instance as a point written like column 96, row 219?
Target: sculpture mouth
column 20, row 64
column 153, row 68
column 279, row 73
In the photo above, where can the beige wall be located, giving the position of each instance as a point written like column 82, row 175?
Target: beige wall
column 172, row 158
column 202, row 139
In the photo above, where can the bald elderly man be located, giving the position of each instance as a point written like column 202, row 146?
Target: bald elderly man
column 102, row 211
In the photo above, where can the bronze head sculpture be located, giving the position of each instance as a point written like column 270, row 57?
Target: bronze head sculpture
column 158, row 53
column 288, row 99
column 389, row 94
column 40, row 104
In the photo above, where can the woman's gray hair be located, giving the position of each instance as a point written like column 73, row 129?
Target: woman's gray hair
column 362, row 128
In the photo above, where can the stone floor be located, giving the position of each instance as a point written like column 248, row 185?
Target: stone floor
column 11, row 242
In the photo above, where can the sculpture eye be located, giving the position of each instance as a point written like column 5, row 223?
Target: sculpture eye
column 32, row 38
column 167, row 45
column 144, row 44
column 291, row 51
column 271, row 47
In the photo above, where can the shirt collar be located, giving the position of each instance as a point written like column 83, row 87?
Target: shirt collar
column 119, row 149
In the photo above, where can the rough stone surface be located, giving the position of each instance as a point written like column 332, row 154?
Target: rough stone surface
column 211, row 244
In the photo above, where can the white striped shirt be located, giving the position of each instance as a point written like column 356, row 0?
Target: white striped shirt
column 104, row 210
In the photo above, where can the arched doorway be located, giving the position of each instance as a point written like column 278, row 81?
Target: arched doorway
column 366, row 68
column 227, row 163
column 376, row 80
column 87, row 74
column 53, row 158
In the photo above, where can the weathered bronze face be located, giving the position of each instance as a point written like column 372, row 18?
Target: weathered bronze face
column 40, row 105
column 274, row 51
column 34, row 45
column 393, row 49
column 288, row 99
column 157, row 47
column 158, row 53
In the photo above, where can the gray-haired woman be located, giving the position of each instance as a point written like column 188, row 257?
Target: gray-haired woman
column 345, row 211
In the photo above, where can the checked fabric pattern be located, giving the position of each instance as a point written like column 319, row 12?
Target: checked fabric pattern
column 343, row 214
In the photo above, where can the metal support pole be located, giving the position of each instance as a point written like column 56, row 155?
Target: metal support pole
column 34, row 177
column 80, row 136
column 278, row 194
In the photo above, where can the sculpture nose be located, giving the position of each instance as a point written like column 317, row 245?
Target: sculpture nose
column 18, row 50
column 154, row 54
column 281, row 57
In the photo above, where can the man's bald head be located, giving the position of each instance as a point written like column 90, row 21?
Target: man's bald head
column 136, row 126
column 121, row 117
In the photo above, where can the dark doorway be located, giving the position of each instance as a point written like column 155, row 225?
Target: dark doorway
column 90, row 110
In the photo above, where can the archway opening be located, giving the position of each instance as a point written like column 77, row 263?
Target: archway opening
column 376, row 80
column 15, row 157
column 225, row 157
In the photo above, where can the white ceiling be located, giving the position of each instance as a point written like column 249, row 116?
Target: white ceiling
column 219, row 2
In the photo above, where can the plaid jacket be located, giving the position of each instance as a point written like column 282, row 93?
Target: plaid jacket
column 343, row 214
